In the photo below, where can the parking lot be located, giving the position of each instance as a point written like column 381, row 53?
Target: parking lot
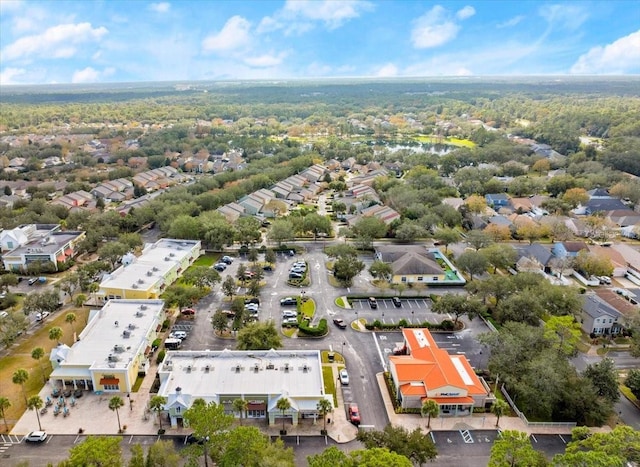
column 413, row 310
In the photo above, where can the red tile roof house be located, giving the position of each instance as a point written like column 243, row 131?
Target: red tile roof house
column 428, row 372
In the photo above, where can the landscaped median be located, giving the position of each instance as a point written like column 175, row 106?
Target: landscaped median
column 306, row 309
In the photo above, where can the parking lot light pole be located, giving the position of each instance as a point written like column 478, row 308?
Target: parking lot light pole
column 411, row 316
column 343, row 359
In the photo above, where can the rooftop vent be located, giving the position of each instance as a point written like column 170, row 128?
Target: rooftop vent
column 139, row 314
column 305, row 368
column 126, row 334
column 166, row 258
column 270, row 366
column 207, row 368
column 149, row 273
column 172, row 254
column 237, row 368
column 256, row 367
column 155, row 269
column 143, row 307
column 188, row 368
column 112, row 364
column 286, row 367
column 140, row 281
column 113, row 358
column 131, row 326
column 134, row 286
column 118, row 348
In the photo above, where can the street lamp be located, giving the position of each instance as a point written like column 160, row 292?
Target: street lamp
column 206, row 461
column 343, row 359
column 411, row 316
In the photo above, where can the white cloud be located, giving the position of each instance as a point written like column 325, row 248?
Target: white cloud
column 90, row 75
column 11, row 5
column 300, row 16
column 434, row 28
column 567, row 16
column 8, row 74
column 466, row 12
column 235, row 34
column 622, row 55
column 162, row 7
column 266, row 60
column 56, row 42
column 386, row 71
column 511, row 22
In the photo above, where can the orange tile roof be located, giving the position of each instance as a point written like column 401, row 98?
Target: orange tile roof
column 432, row 366
column 413, row 390
column 449, row 400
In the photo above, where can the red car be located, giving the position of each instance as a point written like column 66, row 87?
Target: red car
column 188, row 312
column 354, row 414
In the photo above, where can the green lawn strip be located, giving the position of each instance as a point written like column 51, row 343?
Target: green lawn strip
column 329, row 383
column 308, row 308
column 340, row 302
column 208, row 260
column 289, row 331
column 629, row 395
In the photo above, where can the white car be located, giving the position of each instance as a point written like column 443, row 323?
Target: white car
column 36, row 437
column 182, row 335
column 42, row 316
column 344, row 377
column 4, row 314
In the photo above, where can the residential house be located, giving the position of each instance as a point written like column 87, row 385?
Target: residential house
column 571, row 249
column 231, row 211
column 617, row 259
column 112, row 350
column 427, row 372
column 632, row 258
column 261, row 377
column 533, row 258
column 599, row 318
column 497, row 200
column 251, row 204
column 601, row 201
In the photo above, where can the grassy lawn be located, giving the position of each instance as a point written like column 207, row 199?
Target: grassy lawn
column 340, row 302
column 329, row 383
column 289, row 332
column 20, row 357
column 465, row 143
column 308, row 308
column 208, row 260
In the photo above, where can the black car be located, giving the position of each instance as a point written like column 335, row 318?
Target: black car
column 267, row 267
column 255, row 300
column 77, row 393
column 396, row 301
column 193, row 439
column 340, row 323
column 295, row 275
column 289, row 301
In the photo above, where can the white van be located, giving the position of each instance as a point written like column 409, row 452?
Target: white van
column 172, row 344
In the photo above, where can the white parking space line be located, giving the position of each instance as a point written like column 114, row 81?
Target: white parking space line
column 375, row 339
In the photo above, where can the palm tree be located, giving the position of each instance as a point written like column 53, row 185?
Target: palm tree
column 20, row 377
column 37, row 354
column 499, row 408
column 324, row 407
column 5, row 403
column 55, row 334
column 114, row 404
column 430, row 408
column 157, row 405
column 283, row 404
column 240, row 406
column 35, row 403
column 71, row 318
column 93, row 288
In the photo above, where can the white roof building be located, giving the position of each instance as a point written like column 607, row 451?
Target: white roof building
column 112, row 349
column 260, row 377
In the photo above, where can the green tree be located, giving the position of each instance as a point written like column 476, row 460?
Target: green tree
column 617, row 448
column 114, row 404
column 478, row 239
column 575, row 197
column 330, row 457
column 113, row 252
column 201, row 276
column 96, row 451
column 283, row 405
column 500, row 256
column 604, row 377
column 368, row 229
column 316, row 224
column 217, row 231
column 341, row 250
column 156, row 404
column 430, row 408
column 346, row 268
column 499, row 408
column 247, row 446
column 55, row 334
column 137, row 456
column 71, row 318
column 513, row 449
column 414, row 445
column 36, row 403
column 633, row 381
column 37, row 355
column 324, row 407
column 473, row 263
column 380, row 270
column 185, row 226
column 209, row 422
column 5, row 403
column 219, row 321
column 163, row 454
column 248, row 230
column 240, row 406
column 564, row 332
column 270, row 256
column 259, row 336
column 21, row 376
column 79, row 300
column 458, row 305
column 229, row 287
column 281, row 231
column 446, row 236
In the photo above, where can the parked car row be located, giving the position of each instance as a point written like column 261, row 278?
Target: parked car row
column 298, row 269
column 223, row 263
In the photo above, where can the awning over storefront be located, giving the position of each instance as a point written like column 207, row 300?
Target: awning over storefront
column 112, row 381
column 450, row 400
column 68, row 252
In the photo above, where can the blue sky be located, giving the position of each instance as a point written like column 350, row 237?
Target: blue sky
column 132, row 40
